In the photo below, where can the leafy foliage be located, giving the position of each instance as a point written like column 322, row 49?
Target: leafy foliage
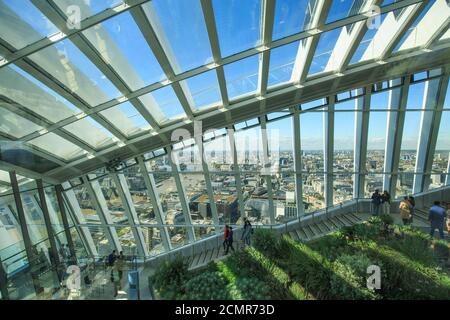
column 169, row 279
column 206, row 286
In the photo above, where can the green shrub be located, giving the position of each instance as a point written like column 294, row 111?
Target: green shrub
column 206, row 286
column 331, row 245
column 267, row 242
column 441, row 249
column 169, row 279
column 348, row 280
column 249, row 289
column 386, row 219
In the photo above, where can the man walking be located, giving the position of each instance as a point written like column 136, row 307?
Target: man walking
column 437, row 217
column 225, row 236
column 230, row 240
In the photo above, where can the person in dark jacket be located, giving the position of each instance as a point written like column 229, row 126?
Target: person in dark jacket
column 412, row 202
column 386, row 202
column 247, row 232
column 437, row 217
column 376, row 202
column 230, row 240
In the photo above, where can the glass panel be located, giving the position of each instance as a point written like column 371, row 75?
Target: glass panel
column 188, row 159
column 21, row 88
column 218, row 155
column 282, row 60
column 127, row 241
column 197, row 198
column 91, row 132
column 122, row 45
column 437, row 181
column 53, row 210
column 416, row 96
column 311, row 129
column 167, row 101
column 283, row 188
column 376, row 141
column 365, row 42
column 238, row 25
column 180, row 27
column 409, row 142
column 127, row 119
column 87, row 8
column 372, row 182
column 14, row 125
column 404, row 185
column 139, row 195
column 101, row 242
column 153, row 241
column 324, row 50
column 72, row 68
column 292, row 17
column 441, row 155
column 225, row 196
column 168, row 194
column 242, row 76
column 249, row 149
column 87, row 205
column 204, row 90
column 35, row 219
column 178, row 236
column 66, row 150
column 342, row 187
column 281, row 145
column 113, row 200
column 21, row 23
column 341, row 9
column 314, row 104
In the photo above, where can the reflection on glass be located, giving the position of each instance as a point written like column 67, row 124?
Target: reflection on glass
column 21, row 23
column 292, row 16
column 242, row 76
column 324, row 50
column 72, row 68
column 87, row 8
column 166, row 101
column 203, row 90
column 91, row 132
column 122, row 45
column 238, row 25
column 127, row 119
column 282, row 61
column 181, row 30
column 66, row 150
column 14, row 125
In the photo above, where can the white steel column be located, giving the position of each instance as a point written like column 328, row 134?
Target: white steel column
column 150, row 184
column 434, row 97
column 266, row 171
column 182, row 197
column 328, row 152
column 362, row 107
column 96, row 195
column 298, row 163
column 236, row 171
column 130, row 211
column 394, row 132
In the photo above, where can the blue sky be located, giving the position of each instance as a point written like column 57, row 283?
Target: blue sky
column 238, row 24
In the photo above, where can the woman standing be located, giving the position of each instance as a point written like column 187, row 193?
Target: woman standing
column 386, row 202
column 405, row 210
column 247, row 232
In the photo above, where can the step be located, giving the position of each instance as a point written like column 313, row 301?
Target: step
column 294, row 235
column 339, row 224
column 344, row 217
column 329, row 225
column 316, row 231
column 203, row 257
column 308, row 232
column 301, row 234
column 354, row 217
column 195, row 261
column 322, row 227
column 344, row 221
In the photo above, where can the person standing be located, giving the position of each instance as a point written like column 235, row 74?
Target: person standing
column 412, row 202
column 247, row 232
column 230, row 240
column 376, row 201
column 120, row 263
column 112, row 258
column 405, row 211
column 225, row 236
column 437, row 217
column 386, row 202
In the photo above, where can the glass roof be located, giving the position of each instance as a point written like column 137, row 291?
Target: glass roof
column 69, row 88
column 21, row 23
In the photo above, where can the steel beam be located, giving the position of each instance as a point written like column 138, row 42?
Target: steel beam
column 328, row 153
column 298, row 163
column 65, row 221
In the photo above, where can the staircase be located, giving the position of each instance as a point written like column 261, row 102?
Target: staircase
column 304, row 232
